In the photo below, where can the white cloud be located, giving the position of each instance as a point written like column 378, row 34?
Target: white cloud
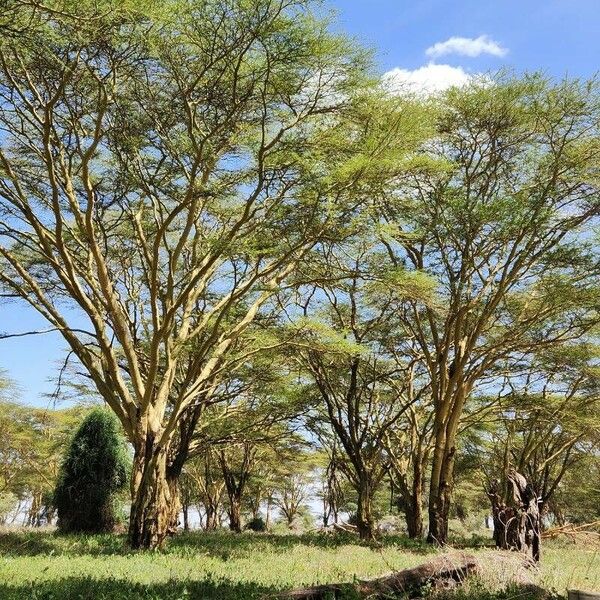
column 466, row 47
column 429, row 79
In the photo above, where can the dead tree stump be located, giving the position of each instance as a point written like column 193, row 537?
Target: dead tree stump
column 517, row 523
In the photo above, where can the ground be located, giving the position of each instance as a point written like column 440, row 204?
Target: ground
column 41, row 565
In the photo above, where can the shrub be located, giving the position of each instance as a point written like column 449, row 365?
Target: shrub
column 95, row 468
column 257, row 524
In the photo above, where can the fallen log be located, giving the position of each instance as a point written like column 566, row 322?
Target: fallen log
column 582, row 595
column 439, row 571
column 345, row 527
column 571, row 529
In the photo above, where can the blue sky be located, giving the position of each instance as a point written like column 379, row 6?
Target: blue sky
column 558, row 37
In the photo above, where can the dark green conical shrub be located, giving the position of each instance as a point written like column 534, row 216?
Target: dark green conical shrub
column 95, row 468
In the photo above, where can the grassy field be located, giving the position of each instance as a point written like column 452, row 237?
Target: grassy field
column 40, row 565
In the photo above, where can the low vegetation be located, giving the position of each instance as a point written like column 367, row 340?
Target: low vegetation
column 42, row 565
column 94, row 469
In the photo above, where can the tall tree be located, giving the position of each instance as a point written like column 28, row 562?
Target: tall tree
column 32, row 442
column 501, row 219
column 163, row 168
column 360, row 390
column 546, row 421
column 204, row 474
column 292, row 495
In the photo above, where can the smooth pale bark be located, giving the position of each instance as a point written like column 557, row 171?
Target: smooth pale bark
column 151, row 514
column 136, row 229
column 449, row 410
column 440, row 495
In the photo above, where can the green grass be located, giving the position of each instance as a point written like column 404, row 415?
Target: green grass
column 41, row 565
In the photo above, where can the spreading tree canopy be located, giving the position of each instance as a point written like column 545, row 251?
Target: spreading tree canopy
column 163, row 168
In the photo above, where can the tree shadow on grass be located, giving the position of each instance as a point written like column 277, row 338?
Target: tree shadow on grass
column 220, row 544
column 43, row 542
column 227, row 545
column 84, row 588
column 510, row 592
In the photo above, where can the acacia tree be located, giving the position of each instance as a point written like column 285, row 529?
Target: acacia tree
column 31, row 447
column 204, row 475
column 236, row 474
column 499, row 219
column 409, row 447
column 331, row 492
column 292, row 494
column 163, row 167
column 246, row 423
column 546, row 422
column 361, row 391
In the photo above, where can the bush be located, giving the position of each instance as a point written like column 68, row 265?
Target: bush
column 94, row 470
column 257, row 524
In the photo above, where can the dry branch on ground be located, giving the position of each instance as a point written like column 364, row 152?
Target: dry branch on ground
column 439, row 571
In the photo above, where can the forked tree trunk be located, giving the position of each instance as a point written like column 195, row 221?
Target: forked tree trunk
column 212, row 520
column 34, row 517
column 411, row 501
column 235, row 484
column 212, row 517
column 448, row 412
column 151, row 506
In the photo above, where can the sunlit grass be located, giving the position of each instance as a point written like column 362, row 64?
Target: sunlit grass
column 42, row 565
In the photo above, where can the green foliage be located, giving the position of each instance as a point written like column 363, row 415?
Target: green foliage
column 31, row 445
column 8, row 501
column 257, row 524
column 95, row 468
column 216, row 164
